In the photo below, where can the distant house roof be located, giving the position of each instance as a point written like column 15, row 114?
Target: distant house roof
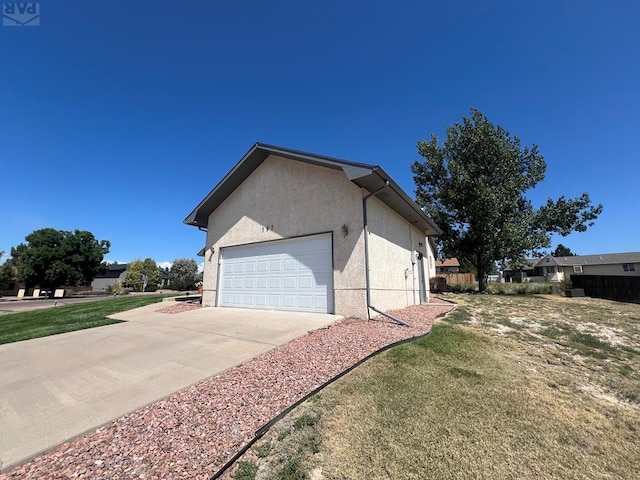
column 599, row 259
column 164, row 275
column 447, row 262
column 369, row 177
column 114, row 270
column 529, row 263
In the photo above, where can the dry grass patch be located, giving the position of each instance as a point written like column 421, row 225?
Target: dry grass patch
column 504, row 387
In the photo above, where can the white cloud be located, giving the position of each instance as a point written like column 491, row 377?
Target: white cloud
column 107, row 261
column 201, row 267
column 164, row 265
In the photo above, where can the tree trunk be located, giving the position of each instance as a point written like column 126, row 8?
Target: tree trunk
column 482, row 281
column 481, row 271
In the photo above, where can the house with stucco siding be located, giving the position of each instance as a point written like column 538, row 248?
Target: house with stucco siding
column 556, row 269
column 115, row 273
column 291, row 230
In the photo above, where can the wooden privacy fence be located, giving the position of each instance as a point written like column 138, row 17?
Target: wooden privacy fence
column 611, row 287
column 457, row 277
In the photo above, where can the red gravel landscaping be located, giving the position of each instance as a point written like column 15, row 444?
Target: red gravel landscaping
column 193, row 433
column 179, row 308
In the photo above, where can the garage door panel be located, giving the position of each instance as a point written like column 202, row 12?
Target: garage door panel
column 263, row 266
column 276, row 265
column 305, row 301
column 305, row 282
column 320, row 302
column 275, row 301
column 293, row 275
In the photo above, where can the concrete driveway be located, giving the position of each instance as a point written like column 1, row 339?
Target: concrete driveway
column 55, row 388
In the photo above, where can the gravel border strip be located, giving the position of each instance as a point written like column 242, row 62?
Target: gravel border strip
column 262, row 431
column 196, row 431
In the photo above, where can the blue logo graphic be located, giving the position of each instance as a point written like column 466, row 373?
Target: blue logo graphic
column 20, row 14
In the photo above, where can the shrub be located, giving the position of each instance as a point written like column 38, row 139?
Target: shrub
column 115, row 289
column 462, row 287
column 498, row 288
column 565, row 284
column 437, row 284
column 521, row 288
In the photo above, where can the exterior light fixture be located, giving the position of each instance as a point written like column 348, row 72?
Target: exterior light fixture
column 345, row 230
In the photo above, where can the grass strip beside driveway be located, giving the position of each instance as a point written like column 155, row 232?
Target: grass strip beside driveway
column 15, row 327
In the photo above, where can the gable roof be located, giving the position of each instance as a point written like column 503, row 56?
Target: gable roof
column 447, row 262
column 527, row 264
column 600, row 259
column 114, row 270
column 370, row 177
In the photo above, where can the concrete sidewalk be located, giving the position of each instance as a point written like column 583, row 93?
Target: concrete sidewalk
column 55, row 388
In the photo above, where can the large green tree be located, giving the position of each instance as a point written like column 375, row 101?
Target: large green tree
column 53, row 258
column 7, row 273
column 183, row 274
column 474, row 185
column 143, row 275
column 562, row 251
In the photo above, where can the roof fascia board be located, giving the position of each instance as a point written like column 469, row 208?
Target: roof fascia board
column 259, row 151
column 352, row 170
column 192, row 218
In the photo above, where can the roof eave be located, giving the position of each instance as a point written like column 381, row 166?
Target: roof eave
column 402, row 204
column 363, row 175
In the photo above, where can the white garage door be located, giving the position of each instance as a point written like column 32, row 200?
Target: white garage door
column 292, row 274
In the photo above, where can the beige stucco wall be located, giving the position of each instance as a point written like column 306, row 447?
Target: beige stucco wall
column 283, row 199
column 393, row 277
column 430, row 260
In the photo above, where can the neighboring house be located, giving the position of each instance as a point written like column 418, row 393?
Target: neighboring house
column 116, row 273
column 447, row 265
column 555, row 269
column 286, row 230
column 523, row 274
column 165, row 279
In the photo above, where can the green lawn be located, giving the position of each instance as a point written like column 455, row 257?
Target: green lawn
column 15, row 327
column 527, row 387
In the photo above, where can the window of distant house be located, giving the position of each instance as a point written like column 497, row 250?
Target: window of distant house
column 628, row 267
column 577, row 269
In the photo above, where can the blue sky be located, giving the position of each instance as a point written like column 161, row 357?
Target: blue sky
column 119, row 117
